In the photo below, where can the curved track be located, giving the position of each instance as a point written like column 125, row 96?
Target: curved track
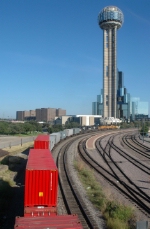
column 140, row 197
column 72, row 199
column 132, row 141
column 114, row 172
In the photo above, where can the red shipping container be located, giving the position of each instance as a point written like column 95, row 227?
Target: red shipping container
column 41, row 179
column 64, row 218
column 40, row 211
column 39, row 226
column 47, row 227
column 61, row 221
column 42, row 142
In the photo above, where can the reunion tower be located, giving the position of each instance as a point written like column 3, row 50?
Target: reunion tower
column 110, row 19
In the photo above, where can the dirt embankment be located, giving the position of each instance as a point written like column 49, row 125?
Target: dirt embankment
column 12, row 167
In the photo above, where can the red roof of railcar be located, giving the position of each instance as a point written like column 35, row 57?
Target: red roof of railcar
column 41, row 179
column 42, row 137
column 40, row 159
column 60, row 221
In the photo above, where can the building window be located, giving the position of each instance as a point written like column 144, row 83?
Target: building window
column 106, row 70
column 106, row 45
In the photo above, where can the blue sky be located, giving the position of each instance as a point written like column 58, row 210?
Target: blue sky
column 51, row 53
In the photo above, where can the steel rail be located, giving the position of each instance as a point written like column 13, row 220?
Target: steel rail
column 72, row 199
column 96, row 166
column 130, row 189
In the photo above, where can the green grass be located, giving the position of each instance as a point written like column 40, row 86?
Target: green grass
column 28, row 134
column 117, row 216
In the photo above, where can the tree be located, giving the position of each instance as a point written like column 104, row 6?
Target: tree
column 19, row 128
column 4, row 127
column 144, row 130
column 28, row 127
column 71, row 125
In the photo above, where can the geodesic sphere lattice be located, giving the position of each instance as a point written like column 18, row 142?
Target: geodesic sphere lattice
column 109, row 17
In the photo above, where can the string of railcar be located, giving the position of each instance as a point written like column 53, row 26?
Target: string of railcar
column 41, row 190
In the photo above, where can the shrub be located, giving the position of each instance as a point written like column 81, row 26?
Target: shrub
column 117, row 211
column 116, row 224
column 117, row 216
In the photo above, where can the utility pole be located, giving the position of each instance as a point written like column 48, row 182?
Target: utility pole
column 143, row 125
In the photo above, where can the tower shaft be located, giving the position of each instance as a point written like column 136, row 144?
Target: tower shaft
column 110, row 72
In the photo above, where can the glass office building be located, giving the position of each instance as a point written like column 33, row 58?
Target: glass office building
column 139, row 108
column 97, row 107
column 122, row 100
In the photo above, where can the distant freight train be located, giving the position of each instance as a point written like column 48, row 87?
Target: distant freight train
column 108, row 127
column 58, row 136
column 42, row 142
column 41, row 189
column 49, row 141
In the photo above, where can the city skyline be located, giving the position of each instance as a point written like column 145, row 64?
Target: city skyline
column 51, row 54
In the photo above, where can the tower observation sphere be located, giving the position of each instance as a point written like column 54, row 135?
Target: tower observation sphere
column 110, row 19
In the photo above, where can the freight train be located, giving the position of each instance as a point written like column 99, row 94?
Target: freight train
column 41, row 188
column 58, row 136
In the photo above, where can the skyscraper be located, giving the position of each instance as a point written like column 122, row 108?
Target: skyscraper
column 110, row 19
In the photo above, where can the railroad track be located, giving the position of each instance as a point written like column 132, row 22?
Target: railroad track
column 134, row 160
column 136, row 139
column 135, row 193
column 140, row 199
column 132, row 142
column 72, row 199
column 74, row 204
column 136, row 163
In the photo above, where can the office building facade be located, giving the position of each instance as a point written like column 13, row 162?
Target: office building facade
column 25, row 115
column 123, row 102
column 123, row 98
column 40, row 114
column 82, row 120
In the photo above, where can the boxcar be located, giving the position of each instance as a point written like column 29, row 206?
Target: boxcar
column 68, row 132
column 41, row 179
column 42, row 142
column 57, row 137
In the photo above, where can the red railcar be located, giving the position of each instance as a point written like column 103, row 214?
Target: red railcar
column 40, row 211
column 41, row 179
column 41, row 188
column 42, row 142
column 61, row 221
